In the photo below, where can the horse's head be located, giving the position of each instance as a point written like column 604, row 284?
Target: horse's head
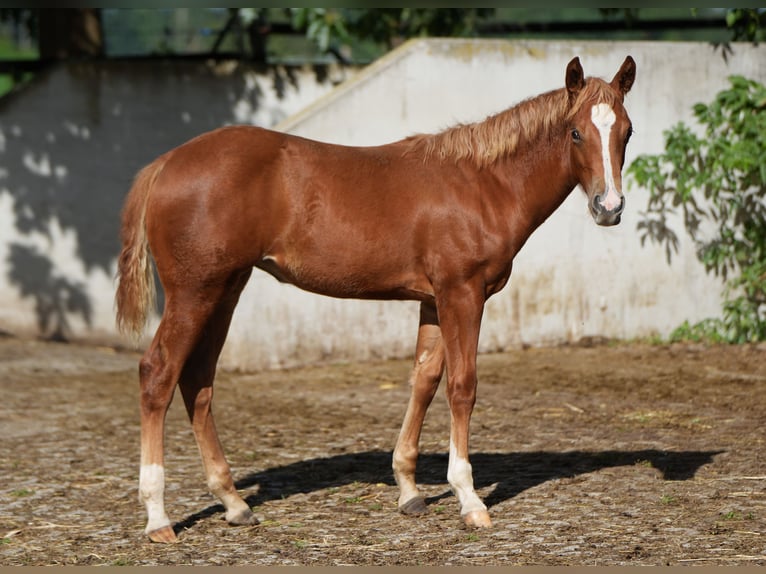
column 599, row 130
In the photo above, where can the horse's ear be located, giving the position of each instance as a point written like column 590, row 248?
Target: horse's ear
column 575, row 79
column 625, row 76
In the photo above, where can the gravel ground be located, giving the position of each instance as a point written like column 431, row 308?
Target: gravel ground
column 604, row 455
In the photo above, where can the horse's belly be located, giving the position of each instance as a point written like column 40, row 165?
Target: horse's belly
column 338, row 278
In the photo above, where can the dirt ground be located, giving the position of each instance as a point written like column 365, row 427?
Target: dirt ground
column 601, row 455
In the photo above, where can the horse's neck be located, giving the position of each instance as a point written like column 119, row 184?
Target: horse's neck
column 535, row 183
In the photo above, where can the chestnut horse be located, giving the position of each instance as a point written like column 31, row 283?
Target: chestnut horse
column 433, row 218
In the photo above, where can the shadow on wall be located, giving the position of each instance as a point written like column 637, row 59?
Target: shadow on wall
column 70, row 145
column 55, row 297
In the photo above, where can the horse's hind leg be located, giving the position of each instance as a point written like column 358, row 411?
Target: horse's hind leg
column 196, row 386
column 159, row 370
column 428, row 370
column 187, row 314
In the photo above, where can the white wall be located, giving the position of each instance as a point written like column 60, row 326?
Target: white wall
column 71, row 142
column 573, row 279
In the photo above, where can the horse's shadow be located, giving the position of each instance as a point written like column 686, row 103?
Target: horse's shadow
column 512, row 473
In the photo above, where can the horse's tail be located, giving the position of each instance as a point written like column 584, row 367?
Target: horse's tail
column 135, row 291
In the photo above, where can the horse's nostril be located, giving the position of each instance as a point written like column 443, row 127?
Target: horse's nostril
column 618, row 210
column 597, row 205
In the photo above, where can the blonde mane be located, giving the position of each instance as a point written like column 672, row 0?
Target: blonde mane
column 501, row 135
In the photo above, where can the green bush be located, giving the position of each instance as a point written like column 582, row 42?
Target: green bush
column 718, row 181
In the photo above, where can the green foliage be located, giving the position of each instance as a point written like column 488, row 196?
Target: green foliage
column 21, row 492
column 472, row 537
column 706, row 331
column 328, row 26
column 389, row 25
column 748, row 24
column 322, row 25
column 718, row 181
column 668, row 499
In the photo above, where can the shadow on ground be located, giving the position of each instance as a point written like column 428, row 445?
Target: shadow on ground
column 512, row 473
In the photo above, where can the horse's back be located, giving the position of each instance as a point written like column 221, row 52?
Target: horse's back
column 338, row 220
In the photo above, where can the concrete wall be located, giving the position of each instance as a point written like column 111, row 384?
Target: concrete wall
column 573, row 279
column 72, row 141
column 70, row 145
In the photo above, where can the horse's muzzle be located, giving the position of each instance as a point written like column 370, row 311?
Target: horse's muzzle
column 604, row 216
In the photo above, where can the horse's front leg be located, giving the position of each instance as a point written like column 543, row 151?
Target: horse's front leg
column 428, row 370
column 460, row 312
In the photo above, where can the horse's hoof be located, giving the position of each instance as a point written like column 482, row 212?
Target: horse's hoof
column 164, row 535
column 414, row 506
column 243, row 518
column 478, row 519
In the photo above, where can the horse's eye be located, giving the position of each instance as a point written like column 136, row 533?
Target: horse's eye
column 576, row 135
column 627, row 136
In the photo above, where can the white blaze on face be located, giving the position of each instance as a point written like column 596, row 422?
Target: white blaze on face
column 603, row 118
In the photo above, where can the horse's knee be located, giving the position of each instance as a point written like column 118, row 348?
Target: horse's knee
column 462, row 394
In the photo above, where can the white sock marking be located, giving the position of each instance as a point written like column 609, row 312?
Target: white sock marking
column 151, row 489
column 460, row 477
column 603, row 118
